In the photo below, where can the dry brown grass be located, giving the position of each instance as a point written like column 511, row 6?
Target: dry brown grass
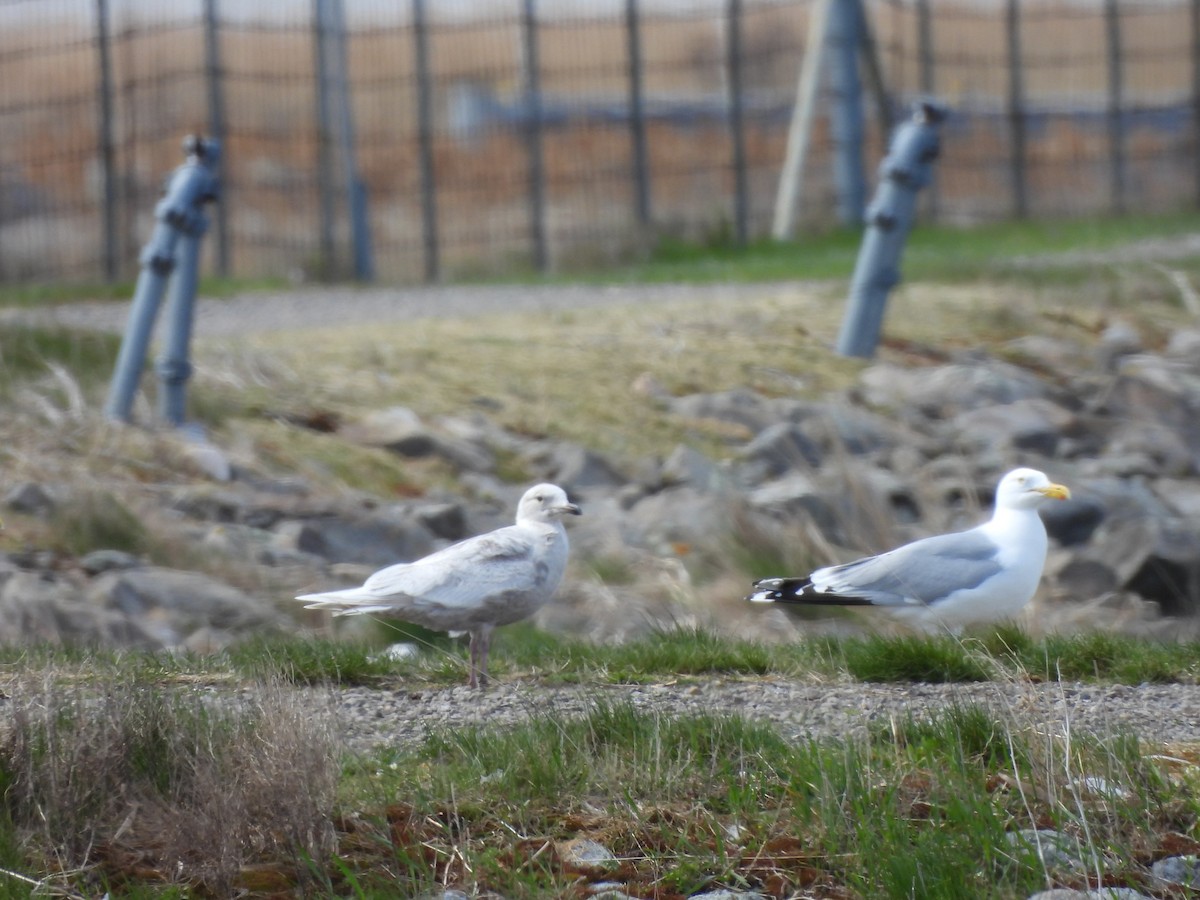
column 131, row 779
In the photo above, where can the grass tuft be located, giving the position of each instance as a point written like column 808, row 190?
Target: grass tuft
column 26, row 352
column 97, row 520
column 129, row 781
column 933, row 659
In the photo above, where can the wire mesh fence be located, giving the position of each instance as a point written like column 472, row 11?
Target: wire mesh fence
column 485, row 136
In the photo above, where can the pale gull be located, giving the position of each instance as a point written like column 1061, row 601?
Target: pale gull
column 986, row 574
column 475, row 585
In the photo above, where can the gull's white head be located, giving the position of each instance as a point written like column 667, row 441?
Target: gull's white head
column 545, row 503
column 1028, row 489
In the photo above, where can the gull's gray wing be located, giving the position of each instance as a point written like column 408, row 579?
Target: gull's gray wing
column 463, row 574
column 922, row 572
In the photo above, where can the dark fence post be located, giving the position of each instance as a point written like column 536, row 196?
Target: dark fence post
column 637, row 119
column 362, row 252
column 216, row 125
column 1196, row 93
column 1116, row 123
column 925, row 57
column 325, row 213
column 846, row 113
column 108, row 217
column 533, row 135
column 429, row 217
column 741, row 193
column 1016, row 109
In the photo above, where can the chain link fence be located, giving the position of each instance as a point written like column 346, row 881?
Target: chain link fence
column 468, row 138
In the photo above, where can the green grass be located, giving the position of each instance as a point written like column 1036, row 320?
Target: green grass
column 27, row 352
column 521, row 651
column 46, row 294
column 936, row 253
column 527, row 653
column 910, row 806
column 688, row 803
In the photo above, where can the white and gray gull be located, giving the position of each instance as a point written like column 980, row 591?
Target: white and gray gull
column 475, row 585
column 986, row 574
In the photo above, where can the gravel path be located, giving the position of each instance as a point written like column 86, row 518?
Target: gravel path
column 307, row 308
column 369, row 717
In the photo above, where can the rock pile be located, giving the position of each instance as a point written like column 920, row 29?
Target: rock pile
column 909, row 450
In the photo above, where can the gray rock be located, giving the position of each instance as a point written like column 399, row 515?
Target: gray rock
column 728, row 894
column 796, row 495
column 396, row 425
column 587, row 854
column 38, row 608
column 1104, row 893
column 227, row 505
column 401, row 431
column 1055, row 849
column 172, row 604
column 207, row 457
column 1184, row 870
column 780, row 448
column 1155, row 389
column 30, row 498
column 446, row 520
column 1040, row 351
column 1033, row 424
column 107, row 560
column 1150, row 449
column 1158, row 559
column 607, row 890
column 1185, row 344
column 842, row 428
column 945, row 391
column 1083, row 577
column 1181, row 495
column 1119, row 339
column 872, row 493
column 573, row 467
column 748, row 412
column 687, row 465
column 1072, row 522
column 378, row 540
column 678, row 515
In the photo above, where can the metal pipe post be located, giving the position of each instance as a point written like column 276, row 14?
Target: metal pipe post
column 178, row 217
column 174, row 367
column 906, row 169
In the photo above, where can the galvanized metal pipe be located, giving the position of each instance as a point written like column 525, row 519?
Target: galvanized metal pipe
column 171, row 256
column 907, row 168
